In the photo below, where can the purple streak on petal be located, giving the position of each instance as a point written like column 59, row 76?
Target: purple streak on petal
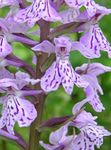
column 38, row 10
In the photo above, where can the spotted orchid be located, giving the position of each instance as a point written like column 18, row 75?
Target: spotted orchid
column 93, row 38
column 90, row 133
column 15, row 106
column 61, row 71
column 88, row 4
column 89, row 73
column 49, row 31
column 40, row 9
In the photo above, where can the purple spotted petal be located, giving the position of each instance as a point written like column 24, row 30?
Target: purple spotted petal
column 89, row 4
column 61, row 73
column 5, row 48
column 94, row 69
column 90, row 136
column 69, row 15
column 38, row 9
column 81, row 143
column 94, row 40
column 49, row 13
column 83, row 50
column 95, row 134
column 52, row 78
column 18, row 110
column 101, row 11
column 93, row 99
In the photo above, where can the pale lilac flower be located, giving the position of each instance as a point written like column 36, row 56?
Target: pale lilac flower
column 15, row 107
column 58, row 139
column 40, row 9
column 89, row 73
column 93, row 38
column 88, row 4
column 90, row 133
column 14, row 27
column 61, row 71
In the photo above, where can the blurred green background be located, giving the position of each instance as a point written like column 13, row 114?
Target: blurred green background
column 58, row 103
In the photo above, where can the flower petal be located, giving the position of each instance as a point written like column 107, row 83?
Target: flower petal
column 93, row 99
column 18, row 110
column 52, row 78
column 89, row 4
column 45, row 46
column 59, row 135
column 95, row 134
column 95, row 41
column 5, row 48
column 38, row 9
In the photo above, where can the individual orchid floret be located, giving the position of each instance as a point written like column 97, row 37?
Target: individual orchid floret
column 90, row 133
column 7, row 22
column 93, row 38
column 15, row 107
column 8, row 29
column 58, row 139
column 89, row 73
column 4, row 3
column 40, row 9
column 61, row 71
column 95, row 41
column 88, row 4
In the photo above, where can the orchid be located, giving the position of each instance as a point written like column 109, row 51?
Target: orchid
column 93, row 38
column 89, row 4
column 15, row 107
column 37, row 38
column 89, row 73
column 38, row 10
column 90, row 133
column 61, row 71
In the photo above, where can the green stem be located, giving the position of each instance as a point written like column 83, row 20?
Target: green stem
column 34, row 132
